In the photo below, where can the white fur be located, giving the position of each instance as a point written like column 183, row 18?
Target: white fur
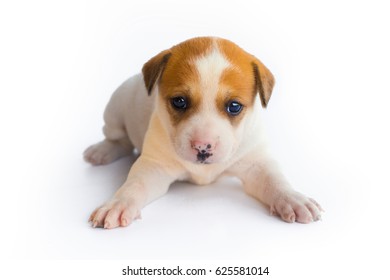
column 210, row 68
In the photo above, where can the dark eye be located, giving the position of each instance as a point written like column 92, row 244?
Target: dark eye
column 179, row 103
column 233, row 108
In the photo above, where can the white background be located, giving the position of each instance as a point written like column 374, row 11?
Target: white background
column 327, row 121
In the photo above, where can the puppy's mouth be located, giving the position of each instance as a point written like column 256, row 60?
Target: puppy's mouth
column 202, row 157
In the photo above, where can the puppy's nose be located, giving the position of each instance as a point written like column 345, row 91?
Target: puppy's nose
column 203, row 150
column 202, row 146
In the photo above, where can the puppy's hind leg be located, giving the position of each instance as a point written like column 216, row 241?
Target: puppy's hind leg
column 114, row 146
column 107, row 151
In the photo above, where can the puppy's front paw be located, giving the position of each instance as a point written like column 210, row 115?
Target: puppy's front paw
column 295, row 207
column 115, row 213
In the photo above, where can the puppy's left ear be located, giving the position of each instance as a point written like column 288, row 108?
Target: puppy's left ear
column 153, row 69
column 264, row 81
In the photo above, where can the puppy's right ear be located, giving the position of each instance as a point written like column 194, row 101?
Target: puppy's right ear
column 154, row 68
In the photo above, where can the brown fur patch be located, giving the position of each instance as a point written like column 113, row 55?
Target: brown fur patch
column 180, row 71
column 237, row 86
column 154, row 68
column 238, row 82
column 264, row 82
column 262, row 79
column 180, row 77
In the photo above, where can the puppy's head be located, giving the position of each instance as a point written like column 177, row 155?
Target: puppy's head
column 207, row 90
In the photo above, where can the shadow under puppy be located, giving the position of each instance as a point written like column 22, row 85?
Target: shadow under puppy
column 194, row 113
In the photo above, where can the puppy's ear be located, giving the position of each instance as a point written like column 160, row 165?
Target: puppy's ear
column 264, row 81
column 153, row 69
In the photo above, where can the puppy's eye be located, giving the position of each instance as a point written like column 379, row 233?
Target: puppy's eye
column 179, row 103
column 233, row 108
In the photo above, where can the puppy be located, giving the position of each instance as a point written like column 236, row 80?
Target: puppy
column 194, row 114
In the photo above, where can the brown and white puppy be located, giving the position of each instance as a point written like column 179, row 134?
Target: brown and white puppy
column 194, row 113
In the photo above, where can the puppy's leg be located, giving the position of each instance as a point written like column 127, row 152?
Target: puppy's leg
column 262, row 180
column 107, row 151
column 148, row 179
column 117, row 143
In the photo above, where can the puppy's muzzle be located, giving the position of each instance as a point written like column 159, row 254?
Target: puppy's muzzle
column 204, row 150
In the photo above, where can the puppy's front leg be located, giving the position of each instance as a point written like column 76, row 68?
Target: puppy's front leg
column 147, row 181
column 263, row 180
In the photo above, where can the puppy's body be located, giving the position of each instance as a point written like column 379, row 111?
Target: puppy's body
column 194, row 113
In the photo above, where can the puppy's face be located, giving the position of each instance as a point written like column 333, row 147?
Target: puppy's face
column 207, row 90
